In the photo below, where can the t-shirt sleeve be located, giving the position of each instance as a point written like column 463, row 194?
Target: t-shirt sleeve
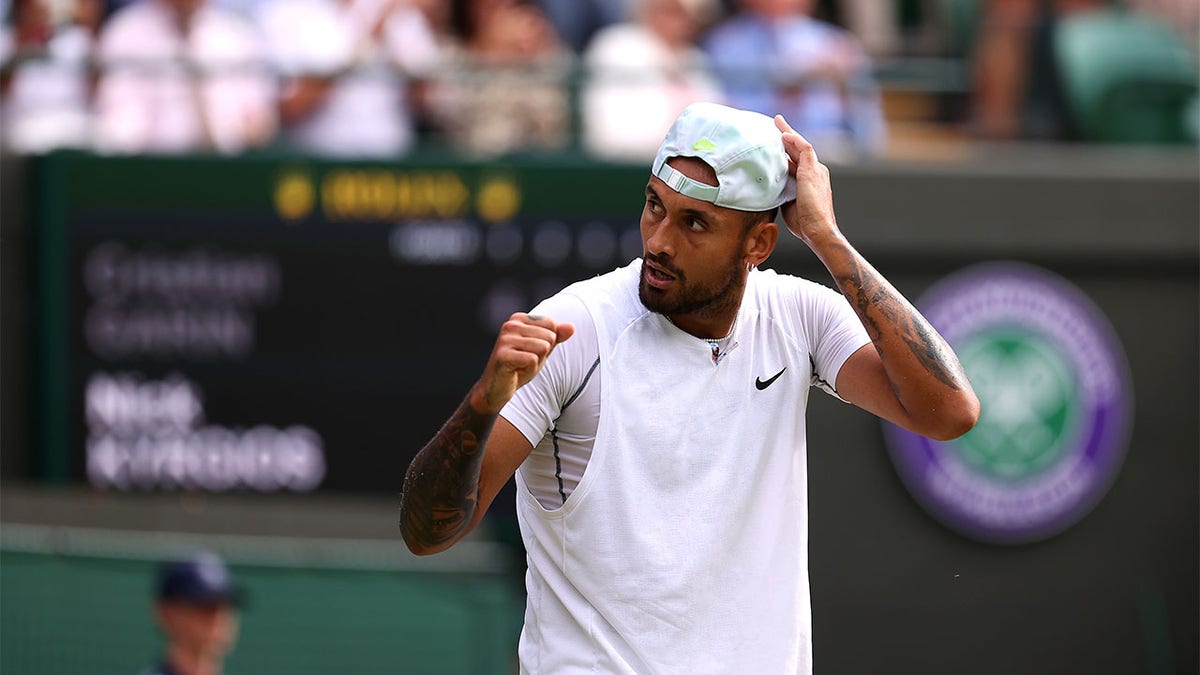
column 535, row 407
column 835, row 332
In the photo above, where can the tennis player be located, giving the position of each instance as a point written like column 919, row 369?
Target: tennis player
column 654, row 417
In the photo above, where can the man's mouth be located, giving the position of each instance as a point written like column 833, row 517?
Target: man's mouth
column 656, row 275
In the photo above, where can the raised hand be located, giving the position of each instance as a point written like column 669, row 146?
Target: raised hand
column 441, row 495
column 811, row 216
column 521, row 349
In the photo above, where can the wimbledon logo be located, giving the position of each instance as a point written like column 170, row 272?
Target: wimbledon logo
column 1056, row 401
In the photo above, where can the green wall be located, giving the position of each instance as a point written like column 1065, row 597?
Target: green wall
column 71, row 614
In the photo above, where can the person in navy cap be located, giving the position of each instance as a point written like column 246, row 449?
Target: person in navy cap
column 196, row 608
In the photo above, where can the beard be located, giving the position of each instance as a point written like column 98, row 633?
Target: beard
column 719, row 297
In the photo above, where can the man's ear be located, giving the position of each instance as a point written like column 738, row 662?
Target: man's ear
column 760, row 241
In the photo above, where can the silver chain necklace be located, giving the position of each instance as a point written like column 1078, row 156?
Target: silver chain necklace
column 717, row 344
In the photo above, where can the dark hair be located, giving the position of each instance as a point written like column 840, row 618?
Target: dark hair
column 755, row 217
column 464, row 17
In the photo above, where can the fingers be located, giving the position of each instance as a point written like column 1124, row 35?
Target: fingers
column 521, row 349
column 564, row 331
column 561, row 331
column 532, row 325
column 526, row 341
column 810, row 215
column 795, row 144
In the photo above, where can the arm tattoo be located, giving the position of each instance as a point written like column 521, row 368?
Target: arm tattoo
column 880, row 306
column 441, row 487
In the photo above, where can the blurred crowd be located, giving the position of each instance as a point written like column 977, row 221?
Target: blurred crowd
column 376, row 78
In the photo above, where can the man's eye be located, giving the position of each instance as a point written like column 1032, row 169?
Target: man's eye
column 654, row 207
column 696, row 225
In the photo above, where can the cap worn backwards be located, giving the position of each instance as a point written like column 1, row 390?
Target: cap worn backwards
column 744, row 148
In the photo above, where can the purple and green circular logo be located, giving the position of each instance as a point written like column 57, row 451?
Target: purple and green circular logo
column 1056, row 400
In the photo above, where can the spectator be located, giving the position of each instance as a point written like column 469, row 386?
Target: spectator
column 48, row 99
column 438, row 20
column 577, row 21
column 7, row 47
column 641, row 74
column 503, row 88
column 344, row 63
column 182, row 76
column 1182, row 15
column 773, row 57
column 874, row 23
column 244, row 8
column 196, row 610
column 1015, row 88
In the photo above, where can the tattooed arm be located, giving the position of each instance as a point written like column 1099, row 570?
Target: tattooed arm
column 912, row 376
column 455, row 477
column 441, row 487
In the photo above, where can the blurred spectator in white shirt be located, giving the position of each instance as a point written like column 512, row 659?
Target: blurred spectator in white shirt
column 641, row 74
column 504, row 88
column 47, row 102
column 774, row 58
column 182, row 76
column 346, row 67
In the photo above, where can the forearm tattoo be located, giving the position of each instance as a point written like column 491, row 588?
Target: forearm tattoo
column 882, row 308
column 441, row 486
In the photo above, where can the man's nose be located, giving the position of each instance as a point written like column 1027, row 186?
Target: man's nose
column 659, row 240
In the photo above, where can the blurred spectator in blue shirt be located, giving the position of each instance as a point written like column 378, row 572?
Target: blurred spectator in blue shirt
column 772, row 57
column 577, row 21
column 345, row 66
column 641, row 74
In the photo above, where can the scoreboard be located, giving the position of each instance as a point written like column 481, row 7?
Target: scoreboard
column 280, row 325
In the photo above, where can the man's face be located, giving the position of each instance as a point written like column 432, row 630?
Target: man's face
column 210, row 630
column 692, row 250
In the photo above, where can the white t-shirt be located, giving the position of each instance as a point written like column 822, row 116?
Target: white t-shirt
column 366, row 111
column 664, row 506
column 147, row 101
column 48, row 104
column 635, row 88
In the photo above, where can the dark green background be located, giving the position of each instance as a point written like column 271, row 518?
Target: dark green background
column 893, row 591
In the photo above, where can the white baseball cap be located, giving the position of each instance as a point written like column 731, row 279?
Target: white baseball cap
column 744, row 148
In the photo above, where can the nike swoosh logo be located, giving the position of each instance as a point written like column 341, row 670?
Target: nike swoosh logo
column 760, row 384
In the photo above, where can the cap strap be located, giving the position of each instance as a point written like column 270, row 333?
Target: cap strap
column 686, row 186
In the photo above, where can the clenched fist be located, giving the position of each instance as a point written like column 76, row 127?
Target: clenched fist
column 524, row 344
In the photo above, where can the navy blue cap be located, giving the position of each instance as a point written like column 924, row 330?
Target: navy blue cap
column 201, row 579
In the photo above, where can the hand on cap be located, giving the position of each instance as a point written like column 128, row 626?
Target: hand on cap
column 521, row 349
column 810, row 217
